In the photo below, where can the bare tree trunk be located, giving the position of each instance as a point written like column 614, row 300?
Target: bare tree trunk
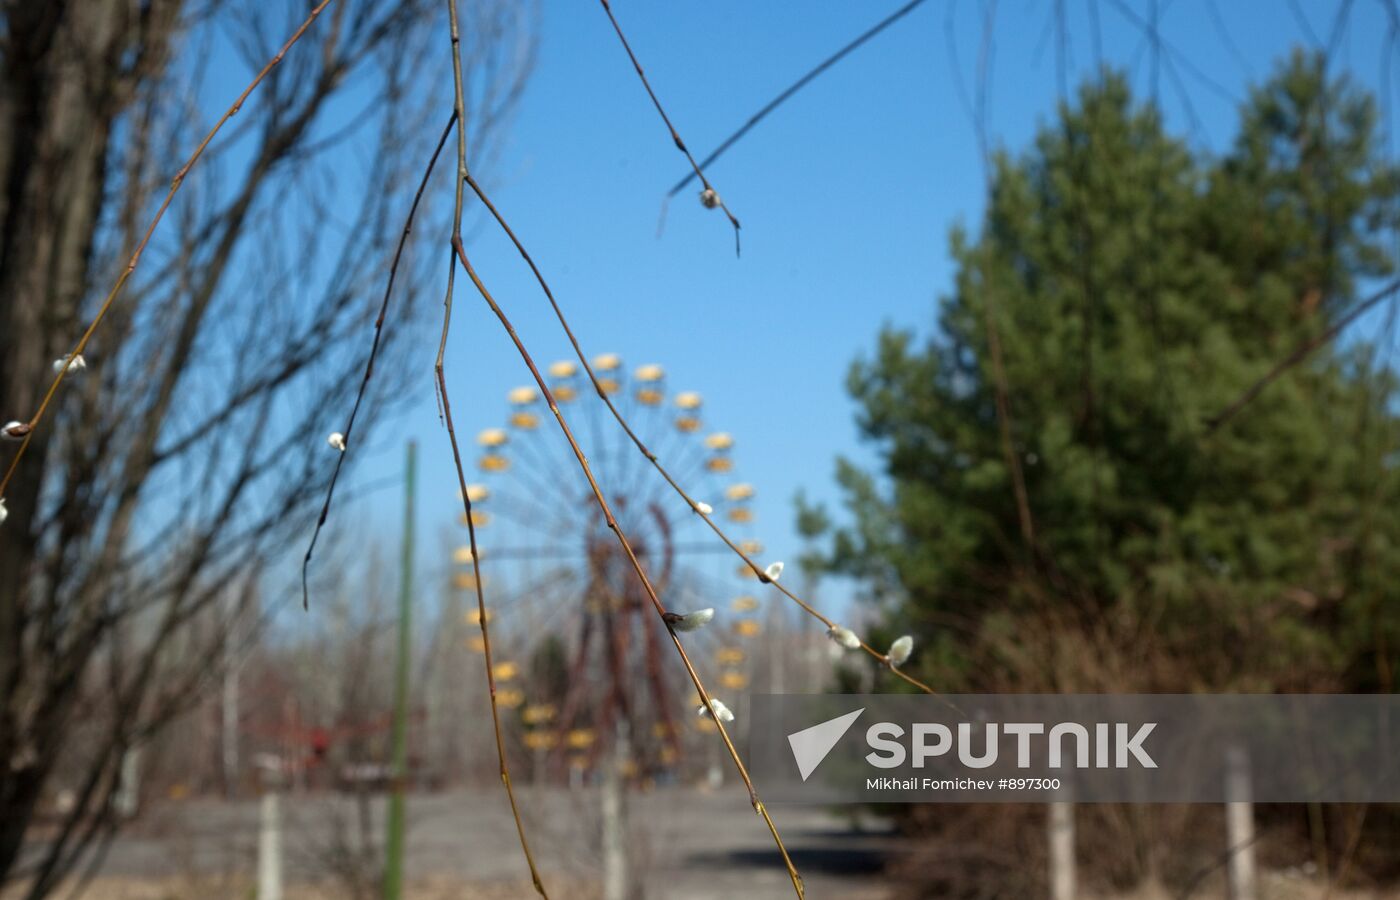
column 67, row 73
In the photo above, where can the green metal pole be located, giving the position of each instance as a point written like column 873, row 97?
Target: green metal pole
column 393, row 845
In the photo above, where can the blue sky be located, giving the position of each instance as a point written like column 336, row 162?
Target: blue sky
column 846, row 195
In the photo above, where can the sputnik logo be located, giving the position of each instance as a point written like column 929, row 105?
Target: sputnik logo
column 811, row 745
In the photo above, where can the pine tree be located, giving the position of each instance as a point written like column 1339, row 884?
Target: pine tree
column 1133, row 288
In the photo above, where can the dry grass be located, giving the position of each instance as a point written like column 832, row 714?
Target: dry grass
column 1272, row 886
column 242, row 888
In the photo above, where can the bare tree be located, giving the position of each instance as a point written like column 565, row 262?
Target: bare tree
column 193, row 448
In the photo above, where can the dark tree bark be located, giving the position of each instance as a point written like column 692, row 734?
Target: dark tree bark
column 67, row 73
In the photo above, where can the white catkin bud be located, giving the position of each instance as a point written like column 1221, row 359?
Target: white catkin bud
column 62, row 362
column 774, row 571
column 721, row 711
column 844, row 636
column 4, row 513
column 704, row 507
column 337, row 440
column 14, row 431
column 900, row 650
column 693, row 621
column 709, row 199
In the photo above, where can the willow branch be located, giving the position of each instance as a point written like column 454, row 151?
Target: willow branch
column 460, row 114
column 793, row 88
column 1300, row 353
column 373, row 354
column 636, row 565
column 675, row 135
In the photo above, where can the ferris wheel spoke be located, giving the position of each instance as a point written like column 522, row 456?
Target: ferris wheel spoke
column 717, row 591
column 669, row 440
column 650, row 420
column 593, row 412
column 523, row 599
column 542, row 443
column 644, row 496
column 547, row 475
column 519, row 612
column 531, row 480
column 532, row 440
column 551, row 494
column 538, row 552
column 695, row 455
column 688, row 472
column 715, row 546
column 504, row 600
column 525, row 509
column 620, row 449
column 527, row 514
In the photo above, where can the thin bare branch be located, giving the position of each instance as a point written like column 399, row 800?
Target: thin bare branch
column 810, row 76
column 1300, row 353
column 717, row 199
column 369, row 363
column 460, row 113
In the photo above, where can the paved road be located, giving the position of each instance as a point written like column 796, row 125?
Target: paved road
column 690, row 845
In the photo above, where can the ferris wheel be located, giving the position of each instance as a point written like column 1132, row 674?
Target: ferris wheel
column 586, row 654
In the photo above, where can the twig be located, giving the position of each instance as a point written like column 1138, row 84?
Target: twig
column 460, row 114
column 675, row 135
column 1003, row 407
column 175, row 183
column 1300, row 353
column 373, row 353
column 652, row 457
column 1150, row 31
column 631, row 557
column 793, row 88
